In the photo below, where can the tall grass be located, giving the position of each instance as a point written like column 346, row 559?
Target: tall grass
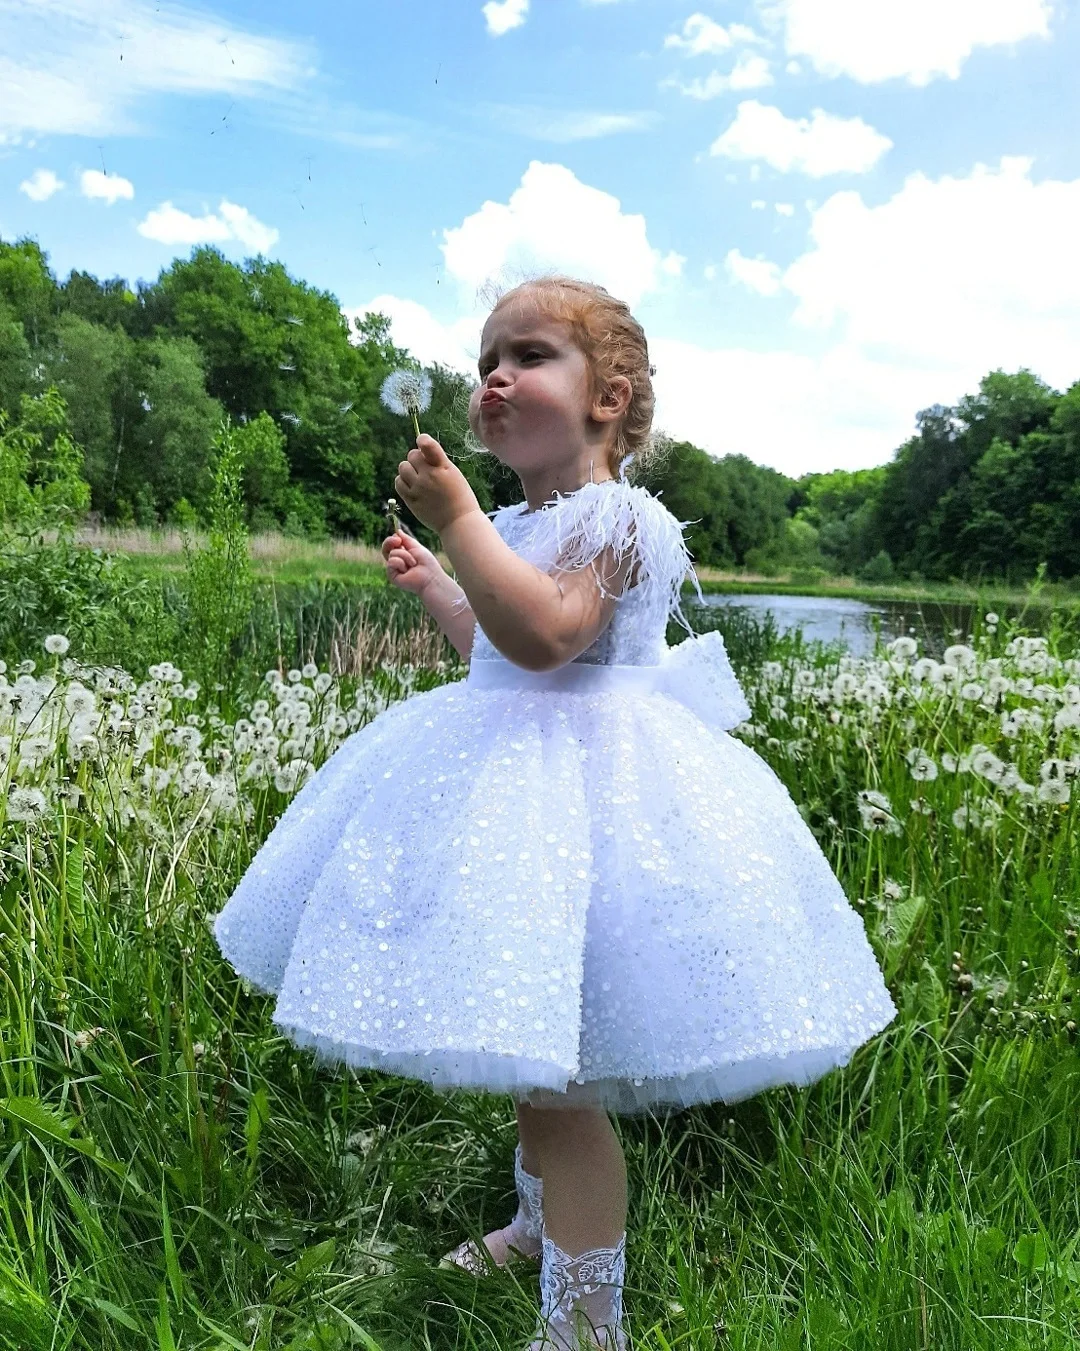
column 175, row 1175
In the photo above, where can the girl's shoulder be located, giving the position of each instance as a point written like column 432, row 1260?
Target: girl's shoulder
column 573, row 529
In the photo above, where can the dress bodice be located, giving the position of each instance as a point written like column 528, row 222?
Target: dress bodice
column 573, row 529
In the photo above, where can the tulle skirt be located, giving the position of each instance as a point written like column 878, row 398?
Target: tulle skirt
column 575, row 888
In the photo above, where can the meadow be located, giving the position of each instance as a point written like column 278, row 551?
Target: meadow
column 175, row 1175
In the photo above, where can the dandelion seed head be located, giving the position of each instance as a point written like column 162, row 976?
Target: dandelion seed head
column 57, row 644
column 406, row 391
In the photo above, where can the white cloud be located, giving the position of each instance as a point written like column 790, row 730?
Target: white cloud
column 785, row 209
column 169, row 225
column 759, row 275
column 41, row 185
column 553, row 220
column 757, row 204
column 898, row 306
column 565, row 125
column 911, row 303
column 702, row 36
column 819, row 145
column 796, row 412
column 915, row 40
column 749, row 72
column 959, row 273
column 455, row 343
column 245, row 227
column 109, row 188
column 60, row 72
column 502, row 15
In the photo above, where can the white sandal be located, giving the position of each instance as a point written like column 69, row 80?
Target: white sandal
column 522, row 1237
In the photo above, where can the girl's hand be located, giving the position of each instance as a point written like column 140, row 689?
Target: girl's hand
column 409, row 565
column 432, row 486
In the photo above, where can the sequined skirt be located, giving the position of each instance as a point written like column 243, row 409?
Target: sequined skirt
column 572, row 887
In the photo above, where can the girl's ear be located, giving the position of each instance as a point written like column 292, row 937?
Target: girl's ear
column 613, row 400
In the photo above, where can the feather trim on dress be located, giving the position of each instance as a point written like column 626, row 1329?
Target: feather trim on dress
column 572, row 530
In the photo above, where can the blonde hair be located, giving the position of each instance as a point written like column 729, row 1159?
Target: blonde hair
column 614, row 344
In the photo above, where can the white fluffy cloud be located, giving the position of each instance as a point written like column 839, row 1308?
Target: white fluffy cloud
column 41, row 185
column 759, row 275
column 59, row 70
column 819, row 145
column 454, row 343
column 750, row 71
column 502, row 15
column 896, row 306
column 702, row 36
column 168, row 225
column 553, row 220
column 979, row 269
column 916, row 40
column 108, row 188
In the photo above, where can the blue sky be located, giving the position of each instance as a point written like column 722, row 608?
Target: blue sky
column 827, row 213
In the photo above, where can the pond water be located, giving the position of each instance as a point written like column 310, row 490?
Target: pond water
column 856, row 622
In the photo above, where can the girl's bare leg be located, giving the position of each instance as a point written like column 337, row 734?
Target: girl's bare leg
column 584, row 1230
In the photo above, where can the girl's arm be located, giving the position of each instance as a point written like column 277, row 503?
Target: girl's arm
column 446, row 602
column 533, row 619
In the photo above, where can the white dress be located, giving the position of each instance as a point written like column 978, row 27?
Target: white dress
column 575, row 886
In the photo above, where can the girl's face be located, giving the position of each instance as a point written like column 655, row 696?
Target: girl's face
column 533, row 406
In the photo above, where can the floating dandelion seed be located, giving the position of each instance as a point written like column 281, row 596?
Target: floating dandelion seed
column 291, row 419
column 292, row 319
column 284, row 366
column 347, row 407
column 407, row 392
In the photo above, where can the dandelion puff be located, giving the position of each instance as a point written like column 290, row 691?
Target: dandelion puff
column 992, row 618
column 923, row 768
column 56, row 644
column 1054, row 791
column 26, row 804
column 407, row 392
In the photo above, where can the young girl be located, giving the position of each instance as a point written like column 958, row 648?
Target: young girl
column 559, row 879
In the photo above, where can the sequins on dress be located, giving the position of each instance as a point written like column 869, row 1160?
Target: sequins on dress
column 593, row 895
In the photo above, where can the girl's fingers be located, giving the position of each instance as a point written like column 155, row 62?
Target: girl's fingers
column 430, row 449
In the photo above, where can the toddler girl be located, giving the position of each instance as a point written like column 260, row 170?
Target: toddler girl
column 560, row 878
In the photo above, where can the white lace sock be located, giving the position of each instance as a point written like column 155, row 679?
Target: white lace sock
column 581, row 1299
column 524, row 1232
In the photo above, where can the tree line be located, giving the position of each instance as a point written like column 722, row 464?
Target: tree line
column 148, row 373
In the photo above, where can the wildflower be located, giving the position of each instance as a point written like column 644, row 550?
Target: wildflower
column 902, row 647
column 971, row 691
column 407, row 392
column 876, row 812
column 1055, row 791
column 921, row 807
column 26, row 804
column 960, row 656
column 56, row 644
column 926, row 668
column 992, row 620
column 81, row 1040
column 987, row 765
column 893, row 890
column 923, row 768
column 966, row 816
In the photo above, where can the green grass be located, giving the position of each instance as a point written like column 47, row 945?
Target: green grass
column 175, row 1175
